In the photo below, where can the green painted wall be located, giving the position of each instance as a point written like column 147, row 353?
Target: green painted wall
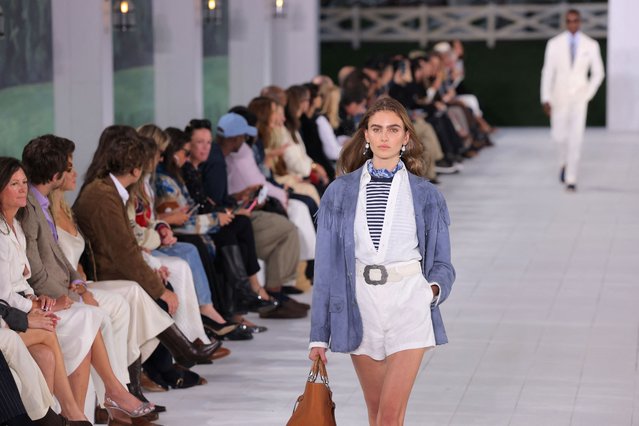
column 26, row 73
column 216, row 87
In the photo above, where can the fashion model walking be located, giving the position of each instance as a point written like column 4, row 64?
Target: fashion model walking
column 382, row 262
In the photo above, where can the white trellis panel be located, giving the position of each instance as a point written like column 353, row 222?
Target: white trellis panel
column 423, row 24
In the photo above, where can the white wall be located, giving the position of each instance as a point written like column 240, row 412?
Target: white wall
column 264, row 50
column 296, row 44
column 82, row 74
column 622, row 105
column 177, row 33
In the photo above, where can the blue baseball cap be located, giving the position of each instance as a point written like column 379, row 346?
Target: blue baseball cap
column 233, row 124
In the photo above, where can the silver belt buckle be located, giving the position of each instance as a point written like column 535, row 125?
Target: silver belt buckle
column 381, row 269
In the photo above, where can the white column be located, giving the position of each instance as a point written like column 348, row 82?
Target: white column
column 177, row 38
column 296, row 43
column 250, row 52
column 264, row 50
column 82, row 73
column 622, row 109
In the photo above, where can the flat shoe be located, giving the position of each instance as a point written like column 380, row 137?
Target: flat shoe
column 149, row 385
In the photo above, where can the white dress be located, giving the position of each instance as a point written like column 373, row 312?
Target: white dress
column 396, row 315
column 78, row 325
column 147, row 319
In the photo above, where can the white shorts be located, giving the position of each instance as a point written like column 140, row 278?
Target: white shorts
column 395, row 316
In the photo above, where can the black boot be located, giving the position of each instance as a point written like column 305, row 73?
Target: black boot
column 54, row 419
column 135, row 385
column 245, row 297
column 185, row 352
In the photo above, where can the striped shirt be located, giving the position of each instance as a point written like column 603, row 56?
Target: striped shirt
column 377, row 191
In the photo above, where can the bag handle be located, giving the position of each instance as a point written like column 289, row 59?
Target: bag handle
column 318, row 369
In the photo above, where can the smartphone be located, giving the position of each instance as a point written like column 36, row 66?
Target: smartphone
column 252, row 206
column 193, row 209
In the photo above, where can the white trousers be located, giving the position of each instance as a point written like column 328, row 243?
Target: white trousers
column 187, row 317
column 299, row 214
column 567, row 124
column 33, row 389
column 471, row 102
column 147, row 319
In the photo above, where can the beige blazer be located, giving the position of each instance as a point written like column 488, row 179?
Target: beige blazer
column 51, row 272
column 563, row 82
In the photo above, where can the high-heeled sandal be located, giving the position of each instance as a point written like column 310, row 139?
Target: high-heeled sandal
column 217, row 328
column 142, row 410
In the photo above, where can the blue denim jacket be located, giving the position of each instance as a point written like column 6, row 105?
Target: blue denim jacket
column 335, row 316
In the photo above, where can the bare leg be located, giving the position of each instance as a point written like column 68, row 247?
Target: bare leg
column 371, row 378
column 113, row 388
column 209, row 311
column 61, row 387
column 79, row 380
column 401, row 371
column 44, row 357
column 258, row 289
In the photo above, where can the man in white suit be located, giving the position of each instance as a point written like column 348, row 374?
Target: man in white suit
column 572, row 73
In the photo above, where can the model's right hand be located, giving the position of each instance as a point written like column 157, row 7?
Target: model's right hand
column 547, row 108
column 318, row 352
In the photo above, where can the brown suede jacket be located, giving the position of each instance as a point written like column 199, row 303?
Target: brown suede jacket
column 102, row 216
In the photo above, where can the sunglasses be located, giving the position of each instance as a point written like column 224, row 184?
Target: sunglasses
column 200, row 124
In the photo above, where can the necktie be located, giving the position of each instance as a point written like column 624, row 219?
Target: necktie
column 573, row 49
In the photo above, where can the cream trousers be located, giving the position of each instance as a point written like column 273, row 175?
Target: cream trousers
column 34, row 391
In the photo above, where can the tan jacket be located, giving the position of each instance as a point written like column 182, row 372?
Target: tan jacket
column 51, row 272
column 102, row 216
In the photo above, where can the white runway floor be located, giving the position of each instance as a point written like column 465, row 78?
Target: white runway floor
column 543, row 319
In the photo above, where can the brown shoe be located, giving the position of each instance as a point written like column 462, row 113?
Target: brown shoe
column 297, row 305
column 149, row 385
column 220, row 353
column 285, row 311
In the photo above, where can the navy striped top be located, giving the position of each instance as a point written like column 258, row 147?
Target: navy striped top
column 377, row 191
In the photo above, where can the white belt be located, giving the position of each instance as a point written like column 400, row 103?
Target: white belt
column 380, row 274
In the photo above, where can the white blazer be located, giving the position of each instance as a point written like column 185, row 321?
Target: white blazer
column 563, row 83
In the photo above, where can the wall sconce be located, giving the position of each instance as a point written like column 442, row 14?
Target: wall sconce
column 279, row 9
column 213, row 11
column 124, row 15
column 1, row 23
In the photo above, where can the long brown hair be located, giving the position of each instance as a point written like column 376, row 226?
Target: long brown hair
column 352, row 157
column 110, row 136
column 263, row 107
column 295, row 96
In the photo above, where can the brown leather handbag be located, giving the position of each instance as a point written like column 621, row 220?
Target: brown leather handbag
column 315, row 406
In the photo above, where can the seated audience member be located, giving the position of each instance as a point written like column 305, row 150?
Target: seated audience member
column 173, row 270
column 278, row 141
column 328, row 121
column 351, row 110
column 79, row 327
column 276, row 238
column 309, row 131
column 53, row 273
column 243, row 171
column 296, row 159
column 100, row 211
column 234, row 241
column 33, row 396
column 158, row 236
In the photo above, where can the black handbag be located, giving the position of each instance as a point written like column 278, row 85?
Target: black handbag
column 15, row 318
